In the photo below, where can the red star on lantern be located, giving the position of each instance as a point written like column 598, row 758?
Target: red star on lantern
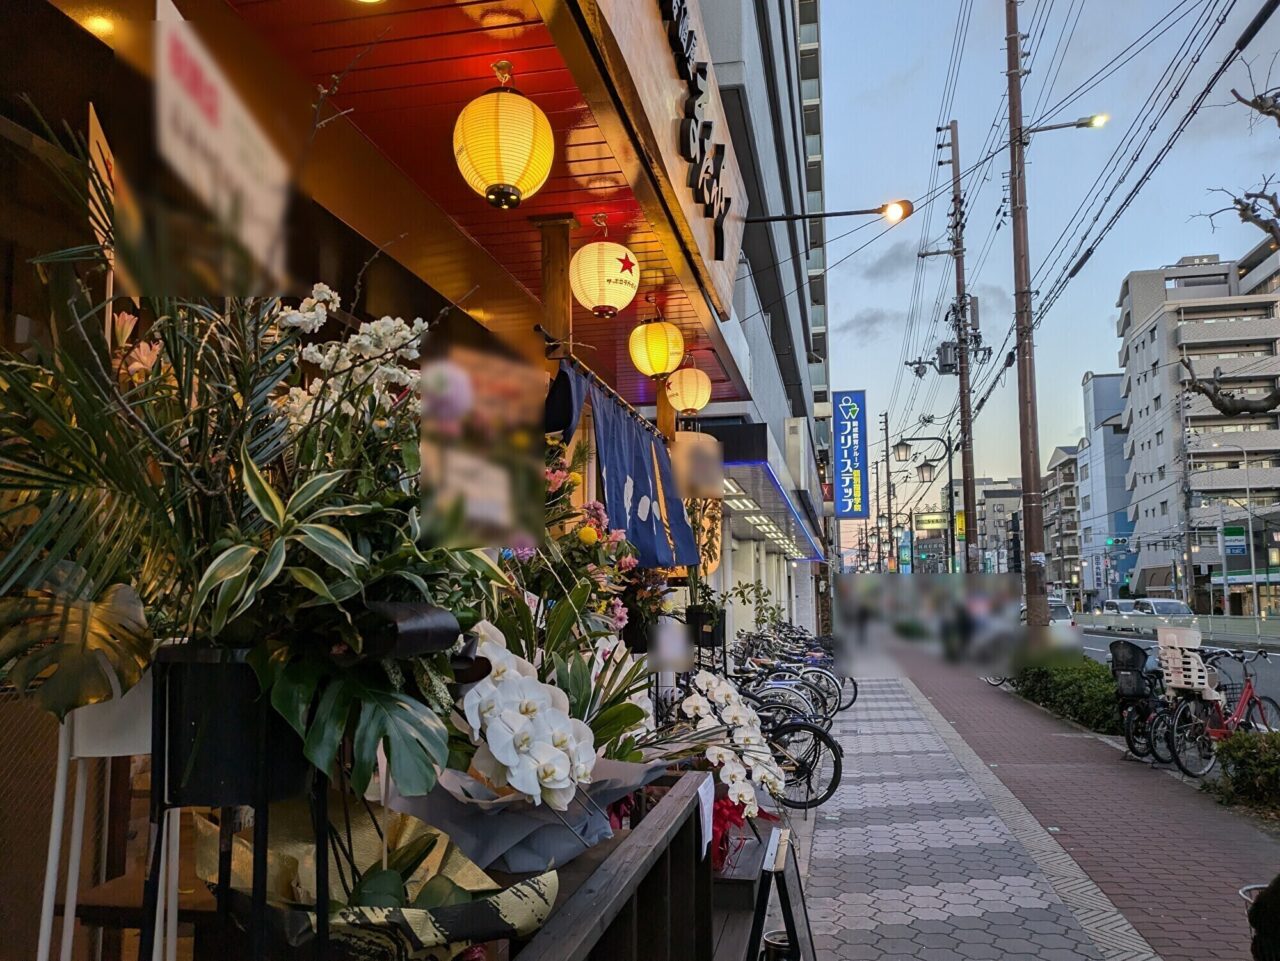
column 627, row 264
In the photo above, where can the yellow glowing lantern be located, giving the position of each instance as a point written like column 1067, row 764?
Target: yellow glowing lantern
column 604, row 277
column 503, row 144
column 656, row 348
column 689, row 390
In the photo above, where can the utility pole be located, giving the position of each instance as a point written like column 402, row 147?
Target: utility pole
column 1028, row 428
column 888, row 486
column 879, row 553
column 961, row 318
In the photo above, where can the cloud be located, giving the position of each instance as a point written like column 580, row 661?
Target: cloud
column 897, row 260
column 995, row 307
column 871, row 322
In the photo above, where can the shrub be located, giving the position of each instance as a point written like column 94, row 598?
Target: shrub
column 1073, row 687
column 1250, row 769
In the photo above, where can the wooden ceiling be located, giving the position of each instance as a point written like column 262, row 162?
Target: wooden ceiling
column 409, row 67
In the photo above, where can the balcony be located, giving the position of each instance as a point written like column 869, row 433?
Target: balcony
column 1239, row 367
column 811, row 90
column 1126, row 385
column 1235, row 479
column 1242, row 330
column 1251, row 440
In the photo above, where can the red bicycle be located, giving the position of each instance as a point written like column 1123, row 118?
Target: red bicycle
column 1201, row 721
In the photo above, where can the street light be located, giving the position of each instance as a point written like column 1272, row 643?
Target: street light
column 1094, row 120
column 901, row 451
column 895, row 211
column 924, row 472
column 1037, row 600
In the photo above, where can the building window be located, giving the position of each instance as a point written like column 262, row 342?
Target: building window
column 1159, row 437
column 999, row 508
column 1164, row 508
column 1084, row 472
column 1156, row 400
column 1084, row 503
column 1160, row 472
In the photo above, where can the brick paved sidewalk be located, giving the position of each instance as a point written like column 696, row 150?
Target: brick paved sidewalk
column 1166, row 855
column 922, row 854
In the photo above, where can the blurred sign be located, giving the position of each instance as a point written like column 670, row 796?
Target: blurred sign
column 212, row 142
column 849, row 437
column 936, row 521
column 698, row 462
column 960, row 525
column 1234, row 540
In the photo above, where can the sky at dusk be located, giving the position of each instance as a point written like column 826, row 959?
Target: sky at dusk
column 885, row 63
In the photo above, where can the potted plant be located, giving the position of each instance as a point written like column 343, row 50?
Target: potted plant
column 704, row 616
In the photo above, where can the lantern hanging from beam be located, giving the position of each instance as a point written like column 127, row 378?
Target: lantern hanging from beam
column 689, row 390
column 604, row 277
column 503, row 144
column 656, row 348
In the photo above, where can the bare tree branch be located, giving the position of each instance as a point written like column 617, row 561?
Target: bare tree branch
column 1227, row 401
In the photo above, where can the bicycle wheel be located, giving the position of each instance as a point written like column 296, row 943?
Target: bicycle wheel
column 826, row 683
column 810, row 760
column 775, row 713
column 995, row 680
column 786, row 693
column 1189, row 739
column 1136, row 729
column 848, row 693
column 1158, row 736
column 1264, row 715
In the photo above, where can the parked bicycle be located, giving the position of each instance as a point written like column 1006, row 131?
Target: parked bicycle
column 1218, row 709
column 1144, row 710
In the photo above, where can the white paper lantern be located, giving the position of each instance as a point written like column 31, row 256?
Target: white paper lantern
column 604, row 277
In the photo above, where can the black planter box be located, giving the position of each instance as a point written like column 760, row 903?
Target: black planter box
column 217, row 726
column 635, row 634
column 705, row 625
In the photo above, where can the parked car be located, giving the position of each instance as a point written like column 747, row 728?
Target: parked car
column 1063, row 632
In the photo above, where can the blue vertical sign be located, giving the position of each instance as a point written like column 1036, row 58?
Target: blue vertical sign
column 849, row 438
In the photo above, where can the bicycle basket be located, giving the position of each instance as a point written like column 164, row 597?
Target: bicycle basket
column 1230, row 690
column 1131, row 684
column 1127, row 656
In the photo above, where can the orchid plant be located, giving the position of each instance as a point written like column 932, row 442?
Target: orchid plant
column 736, row 747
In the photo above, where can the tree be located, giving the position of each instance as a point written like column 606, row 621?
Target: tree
column 1260, row 207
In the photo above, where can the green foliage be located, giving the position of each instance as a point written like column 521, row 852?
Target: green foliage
column 379, row 887
column 1074, row 687
column 755, row 595
column 1249, row 762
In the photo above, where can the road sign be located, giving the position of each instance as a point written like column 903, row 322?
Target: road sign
column 1235, row 541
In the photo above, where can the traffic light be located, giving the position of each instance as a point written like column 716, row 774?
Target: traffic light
column 1111, row 542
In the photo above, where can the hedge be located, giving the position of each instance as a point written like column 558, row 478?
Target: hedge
column 1073, row 687
column 1250, row 769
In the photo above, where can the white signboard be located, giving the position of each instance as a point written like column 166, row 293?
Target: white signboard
column 213, row 143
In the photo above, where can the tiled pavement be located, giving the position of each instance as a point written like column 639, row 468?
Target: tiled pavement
column 920, row 855
column 1166, row 855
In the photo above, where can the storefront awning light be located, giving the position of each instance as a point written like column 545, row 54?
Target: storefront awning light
column 689, row 390
column 604, row 277
column 503, row 144
column 656, row 348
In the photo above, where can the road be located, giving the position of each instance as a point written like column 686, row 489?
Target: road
column 1267, row 673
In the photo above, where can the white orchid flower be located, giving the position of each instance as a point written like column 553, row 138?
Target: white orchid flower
column 480, row 704
column 723, row 694
column 559, row 729
column 695, row 705
column 708, row 723
column 705, row 680
column 718, row 755
column 528, row 695
column 583, row 757
column 736, row 715
column 512, row 734
column 733, row 773
column 748, row 737
column 743, row 793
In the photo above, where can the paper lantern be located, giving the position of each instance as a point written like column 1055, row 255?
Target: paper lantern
column 689, row 390
column 656, row 348
column 504, row 146
column 604, row 277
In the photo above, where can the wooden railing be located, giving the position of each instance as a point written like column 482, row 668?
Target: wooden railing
column 648, row 893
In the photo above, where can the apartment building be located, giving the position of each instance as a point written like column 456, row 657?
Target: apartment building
column 1062, row 521
column 1105, row 528
column 996, row 500
column 1186, row 460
